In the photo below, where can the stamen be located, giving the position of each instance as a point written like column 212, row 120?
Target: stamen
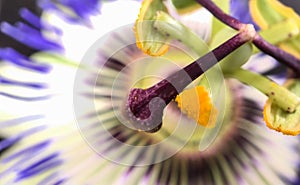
column 281, row 120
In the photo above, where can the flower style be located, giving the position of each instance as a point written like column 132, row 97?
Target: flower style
column 43, row 142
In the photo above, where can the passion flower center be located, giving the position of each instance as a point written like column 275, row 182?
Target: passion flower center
column 145, row 106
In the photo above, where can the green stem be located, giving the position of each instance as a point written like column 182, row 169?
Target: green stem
column 175, row 30
column 281, row 96
column 279, row 54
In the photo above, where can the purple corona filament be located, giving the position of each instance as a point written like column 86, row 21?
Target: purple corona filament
column 19, row 121
column 6, row 81
column 36, row 22
column 27, row 151
column 47, row 163
column 10, row 55
column 22, row 98
column 31, row 18
column 10, row 141
column 29, row 36
column 83, row 9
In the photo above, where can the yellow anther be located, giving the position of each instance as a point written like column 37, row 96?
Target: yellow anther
column 196, row 104
column 280, row 127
